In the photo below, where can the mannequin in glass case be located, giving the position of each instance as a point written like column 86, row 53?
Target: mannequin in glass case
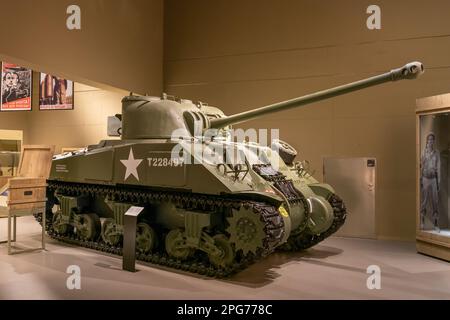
column 430, row 172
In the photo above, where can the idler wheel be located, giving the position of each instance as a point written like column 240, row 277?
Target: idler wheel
column 227, row 254
column 58, row 226
column 110, row 233
column 176, row 245
column 88, row 226
column 146, row 238
column 246, row 230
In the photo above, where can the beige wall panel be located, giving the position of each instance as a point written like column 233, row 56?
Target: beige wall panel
column 202, row 28
column 80, row 87
column 15, row 121
column 120, row 42
column 395, row 221
column 353, row 60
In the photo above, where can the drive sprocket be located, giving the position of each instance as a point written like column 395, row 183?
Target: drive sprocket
column 246, row 229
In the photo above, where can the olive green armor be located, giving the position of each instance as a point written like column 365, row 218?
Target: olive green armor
column 212, row 215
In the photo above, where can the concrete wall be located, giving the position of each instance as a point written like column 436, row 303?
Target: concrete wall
column 119, row 44
column 243, row 54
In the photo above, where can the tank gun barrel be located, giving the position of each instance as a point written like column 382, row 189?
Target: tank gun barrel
column 409, row 71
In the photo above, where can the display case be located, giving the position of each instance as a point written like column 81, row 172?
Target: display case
column 433, row 176
column 10, row 147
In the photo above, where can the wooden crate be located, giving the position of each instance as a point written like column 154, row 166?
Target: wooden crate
column 26, row 193
column 4, row 181
column 28, row 189
column 36, row 161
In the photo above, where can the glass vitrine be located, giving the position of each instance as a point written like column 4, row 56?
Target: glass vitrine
column 433, row 175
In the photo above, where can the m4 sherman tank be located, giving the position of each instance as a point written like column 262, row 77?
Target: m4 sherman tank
column 211, row 205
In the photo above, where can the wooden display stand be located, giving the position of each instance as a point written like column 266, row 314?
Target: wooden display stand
column 25, row 194
column 428, row 242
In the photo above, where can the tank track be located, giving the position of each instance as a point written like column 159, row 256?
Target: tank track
column 305, row 241
column 268, row 214
column 285, row 186
column 302, row 241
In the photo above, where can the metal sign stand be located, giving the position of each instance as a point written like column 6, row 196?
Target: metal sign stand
column 129, row 238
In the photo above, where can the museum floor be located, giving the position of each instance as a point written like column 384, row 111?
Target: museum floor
column 335, row 269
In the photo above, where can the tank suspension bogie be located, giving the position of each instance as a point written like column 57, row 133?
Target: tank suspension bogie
column 177, row 246
column 224, row 253
column 87, row 225
column 59, row 225
column 74, row 214
column 146, row 238
column 204, row 236
column 112, row 233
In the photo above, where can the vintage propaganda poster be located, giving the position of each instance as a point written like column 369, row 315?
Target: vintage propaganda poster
column 55, row 93
column 16, row 88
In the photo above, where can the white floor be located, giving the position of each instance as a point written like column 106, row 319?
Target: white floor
column 335, row 269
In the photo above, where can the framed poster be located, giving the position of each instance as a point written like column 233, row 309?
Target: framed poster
column 16, row 88
column 55, row 93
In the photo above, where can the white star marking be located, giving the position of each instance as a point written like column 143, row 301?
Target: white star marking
column 131, row 164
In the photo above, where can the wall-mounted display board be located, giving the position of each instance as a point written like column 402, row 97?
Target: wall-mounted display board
column 55, row 93
column 433, row 176
column 15, row 88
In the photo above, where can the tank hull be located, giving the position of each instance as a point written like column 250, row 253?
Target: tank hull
column 219, row 223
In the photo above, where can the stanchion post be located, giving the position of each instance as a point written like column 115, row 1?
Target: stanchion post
column 129, row 238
